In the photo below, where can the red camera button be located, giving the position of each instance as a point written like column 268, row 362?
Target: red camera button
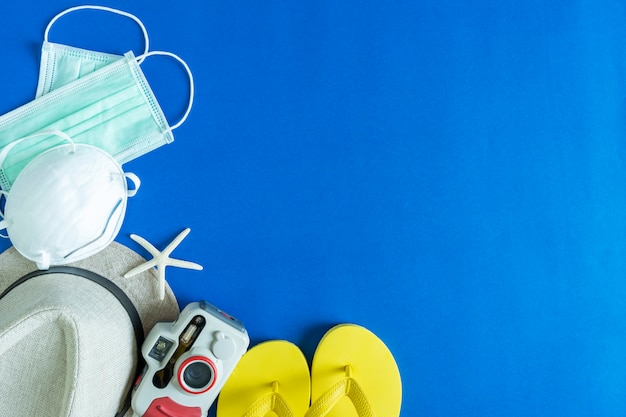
column 166, row 407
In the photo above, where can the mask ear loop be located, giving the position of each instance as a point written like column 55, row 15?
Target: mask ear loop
column 106, row 9
column 191, row 82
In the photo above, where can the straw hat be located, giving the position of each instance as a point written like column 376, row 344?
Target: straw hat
column 68, row 344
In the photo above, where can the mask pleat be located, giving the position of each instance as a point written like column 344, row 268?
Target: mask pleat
column 79, row 124
column 60, row 65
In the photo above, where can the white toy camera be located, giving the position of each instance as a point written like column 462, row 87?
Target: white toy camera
column 188, row 362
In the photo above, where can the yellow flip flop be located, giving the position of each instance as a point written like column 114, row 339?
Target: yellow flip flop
column 271, row 378
column 354, row 374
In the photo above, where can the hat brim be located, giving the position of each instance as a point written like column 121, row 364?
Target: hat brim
column 112, row 263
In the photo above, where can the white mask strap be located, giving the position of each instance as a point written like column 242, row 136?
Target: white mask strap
column 134, row 179
column 189, row 74
column 44, row 263
column 3, row 223
column 46, row 132
column 106, row 9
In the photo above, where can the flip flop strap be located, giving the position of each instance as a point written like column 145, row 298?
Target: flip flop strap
column 269, row 402
column 347, row 387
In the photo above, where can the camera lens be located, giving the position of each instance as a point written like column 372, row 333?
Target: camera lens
column 197, row 375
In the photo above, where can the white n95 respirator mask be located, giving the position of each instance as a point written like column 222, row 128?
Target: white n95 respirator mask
column 68, row 203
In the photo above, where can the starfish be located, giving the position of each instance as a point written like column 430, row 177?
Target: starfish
column 161, row 260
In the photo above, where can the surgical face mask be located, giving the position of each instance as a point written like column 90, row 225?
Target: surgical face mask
column 62, row 64
column 67, row 204
column 112, row 108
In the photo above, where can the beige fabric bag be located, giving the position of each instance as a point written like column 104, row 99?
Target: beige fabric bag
column 67, row 343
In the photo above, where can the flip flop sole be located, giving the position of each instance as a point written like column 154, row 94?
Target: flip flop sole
column 371, row 365
column 276, row 365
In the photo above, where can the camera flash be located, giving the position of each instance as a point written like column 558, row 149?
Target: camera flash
column 188, row 334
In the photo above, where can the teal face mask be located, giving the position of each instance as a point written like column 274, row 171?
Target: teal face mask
column 62, row 64
column 113, row 108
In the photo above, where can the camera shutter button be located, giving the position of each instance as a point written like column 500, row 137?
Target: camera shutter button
column 223, row 348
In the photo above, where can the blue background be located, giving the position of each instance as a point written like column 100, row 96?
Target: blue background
column 449, row 175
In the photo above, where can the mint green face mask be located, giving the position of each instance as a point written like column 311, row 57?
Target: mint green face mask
column 113, row 108
column 61, row 64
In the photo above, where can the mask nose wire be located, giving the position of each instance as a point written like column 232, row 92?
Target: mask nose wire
column 106, row 9
column 191, row 82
